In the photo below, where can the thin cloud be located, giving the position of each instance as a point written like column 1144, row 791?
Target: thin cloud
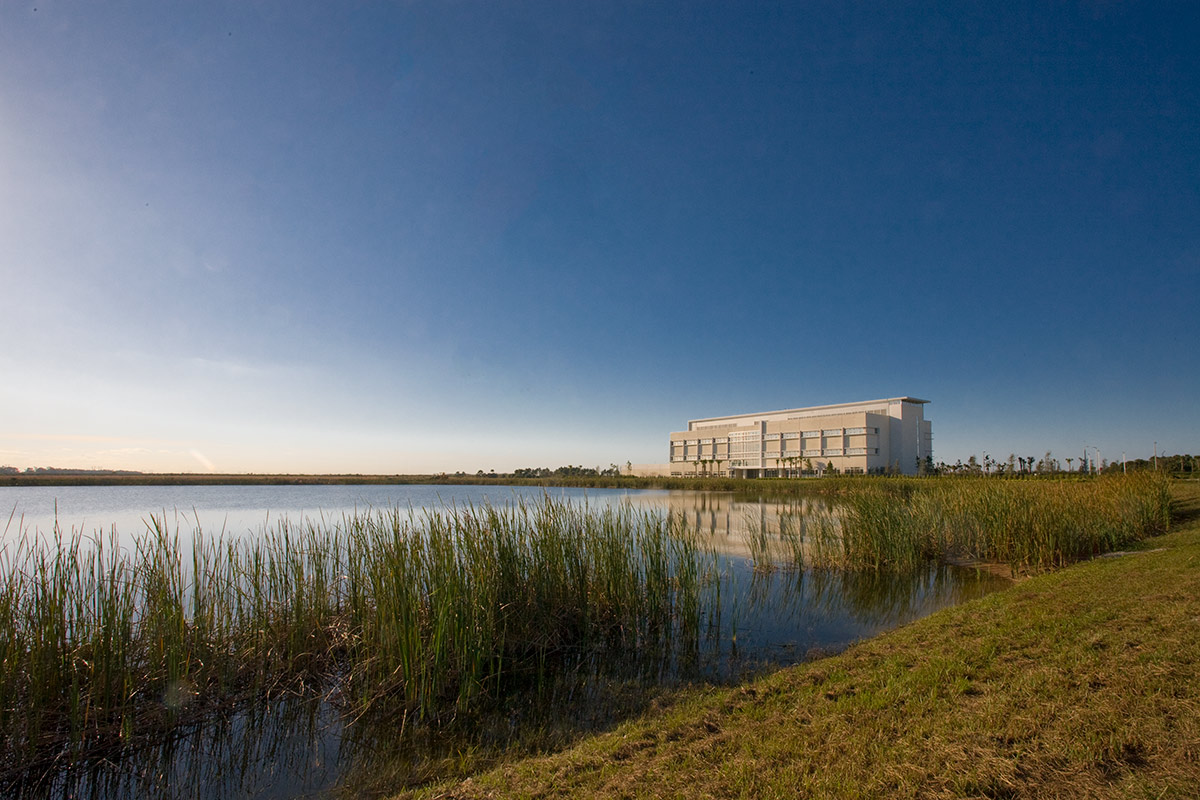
column 204, row 462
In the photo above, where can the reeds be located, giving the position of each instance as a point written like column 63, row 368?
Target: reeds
column 441, row 614
column 428, row 616
column 1026, row 524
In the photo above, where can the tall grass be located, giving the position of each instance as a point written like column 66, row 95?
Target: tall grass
column 1026, row 524
column 427, row 615
column 437, row 615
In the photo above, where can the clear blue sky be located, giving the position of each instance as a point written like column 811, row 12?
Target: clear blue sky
column 380, row 237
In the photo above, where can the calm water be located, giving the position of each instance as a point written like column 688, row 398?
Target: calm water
column 246, row 509
column 303, row 748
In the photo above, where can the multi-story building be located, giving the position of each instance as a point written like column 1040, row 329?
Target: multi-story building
column 872, row 436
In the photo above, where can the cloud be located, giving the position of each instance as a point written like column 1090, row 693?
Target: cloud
column 204, row 462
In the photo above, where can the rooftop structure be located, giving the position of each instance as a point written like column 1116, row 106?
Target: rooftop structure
column 872, row 436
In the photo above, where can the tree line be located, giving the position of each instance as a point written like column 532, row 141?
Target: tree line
column 1015, row 465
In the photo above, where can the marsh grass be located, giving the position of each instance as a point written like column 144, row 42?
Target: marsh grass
column 430, row 618
column 1028, row 525
column 1081, row 683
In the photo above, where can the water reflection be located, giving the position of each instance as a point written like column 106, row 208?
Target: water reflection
column 785, row 617
column 759, row 617
column 285, row 747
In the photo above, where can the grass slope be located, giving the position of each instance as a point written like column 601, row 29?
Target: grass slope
column 1080, row 683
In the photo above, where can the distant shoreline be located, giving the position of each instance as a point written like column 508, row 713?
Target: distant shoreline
column 229, row 479
column 719, row 484
column 284, row 479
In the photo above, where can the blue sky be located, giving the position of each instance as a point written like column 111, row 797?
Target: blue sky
column 410, row 237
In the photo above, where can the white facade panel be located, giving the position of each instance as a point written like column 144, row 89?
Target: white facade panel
column 890, row 435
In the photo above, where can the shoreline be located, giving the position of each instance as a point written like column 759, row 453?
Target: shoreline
column 1082, row 682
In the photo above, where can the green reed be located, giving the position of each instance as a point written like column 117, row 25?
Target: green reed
column 433, row 616
column 1029, row 525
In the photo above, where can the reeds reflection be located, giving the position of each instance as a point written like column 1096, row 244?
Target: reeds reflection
column 419, row 645
column 289, row 746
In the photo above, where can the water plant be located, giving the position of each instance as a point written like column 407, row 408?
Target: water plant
column 429, row 616
column 434, row 617
column 1029, row 525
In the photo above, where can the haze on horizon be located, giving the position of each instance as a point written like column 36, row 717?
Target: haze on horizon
column 406, row 238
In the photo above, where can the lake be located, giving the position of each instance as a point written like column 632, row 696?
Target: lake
column 294, row 746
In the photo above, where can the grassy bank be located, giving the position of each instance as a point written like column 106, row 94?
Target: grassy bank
column 1083, row 682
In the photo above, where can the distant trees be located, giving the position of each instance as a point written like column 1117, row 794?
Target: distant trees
column 1184, row 465
column 1012, row 467
column 7, row 470
column 569, row 471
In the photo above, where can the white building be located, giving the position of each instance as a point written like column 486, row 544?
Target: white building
column 872, row 436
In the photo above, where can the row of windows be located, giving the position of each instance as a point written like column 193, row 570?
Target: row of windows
column 692, row 455
column 748, row 442
column 832, row 451
column 751, row 448
column 694, row 442
column 755, row 435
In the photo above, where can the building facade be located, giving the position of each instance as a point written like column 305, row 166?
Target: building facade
column 869, row 437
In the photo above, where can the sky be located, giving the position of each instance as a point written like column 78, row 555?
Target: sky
column 436, row 236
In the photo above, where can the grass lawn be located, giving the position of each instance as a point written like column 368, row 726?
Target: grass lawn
column 1084, row 682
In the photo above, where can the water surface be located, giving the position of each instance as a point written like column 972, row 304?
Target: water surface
column 302, row 746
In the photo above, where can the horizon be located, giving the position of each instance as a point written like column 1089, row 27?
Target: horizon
column 1077, row 465
column 302, row 238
